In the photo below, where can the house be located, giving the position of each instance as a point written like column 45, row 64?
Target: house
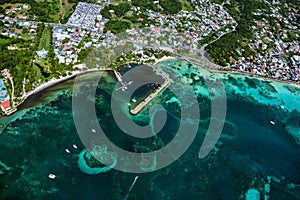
column 60, row 36
column 26, row 24
column 3, row 94
column 42, row 53
column 5, row 72
column 18, row 8
column 88, row 44
column 22, row 17
column 5, row 105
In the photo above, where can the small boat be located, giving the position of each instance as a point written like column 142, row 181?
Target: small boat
column 74, row 146
column 282, row 107
column 93, row 130
column 67, row 150
column 133, row 100
column 272, row 122
column 52, row 176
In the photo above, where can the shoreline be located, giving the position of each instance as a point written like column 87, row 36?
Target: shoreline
column 250, row 75
column 48, row 84
column 258, row 77
column 165, row 58
column 53, row 82
column 232, row 71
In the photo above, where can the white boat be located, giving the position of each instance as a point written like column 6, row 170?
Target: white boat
column 124, row 86
column 272, row 122
column 52, row 176
column 93, row 130
column 133, row 100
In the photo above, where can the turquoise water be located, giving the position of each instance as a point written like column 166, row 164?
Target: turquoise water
column 257, row 154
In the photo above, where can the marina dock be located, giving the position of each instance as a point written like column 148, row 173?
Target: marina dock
column 149, row 98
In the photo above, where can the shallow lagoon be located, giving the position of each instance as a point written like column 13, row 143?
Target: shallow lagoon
column 250, row 152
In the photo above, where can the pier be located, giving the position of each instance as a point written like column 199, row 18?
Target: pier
column 118, row 76
column 149, row 98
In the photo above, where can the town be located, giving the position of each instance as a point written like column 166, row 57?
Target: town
column 60, row 49
column 278, row 55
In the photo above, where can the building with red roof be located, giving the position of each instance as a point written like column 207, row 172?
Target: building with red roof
column 5, row 105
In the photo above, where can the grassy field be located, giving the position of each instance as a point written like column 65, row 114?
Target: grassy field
column 38, row 73
column 12, row 5
column 45, row 40
column 65, row 10
column 186, row 5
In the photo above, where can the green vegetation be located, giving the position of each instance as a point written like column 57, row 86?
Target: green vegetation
column 66, row 40
column 39, row 33
column 83, row 54
column 46, row 10
column 165, row 6
column 38, row 73
column 105, row 12
column 186, row 5
column 171, row 6
column 45, row 41
column 213, row 36
column 121, row 19
column 117, row 26
column 146, row 5
column 116, row 23
column 119, row 10
column 134, row 19
column 241, row 11
column 66, row 10
column 18, row 62
column 129, row 57
column 2, row 10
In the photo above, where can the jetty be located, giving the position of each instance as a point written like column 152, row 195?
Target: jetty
column 149, row 98
column 118, row 76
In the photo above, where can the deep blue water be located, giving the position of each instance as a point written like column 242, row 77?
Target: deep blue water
column 249, row 150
